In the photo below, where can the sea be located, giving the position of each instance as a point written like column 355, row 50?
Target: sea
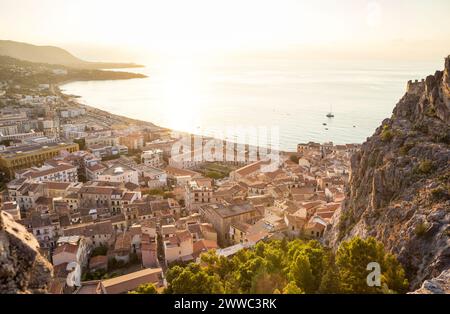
column 282, row 100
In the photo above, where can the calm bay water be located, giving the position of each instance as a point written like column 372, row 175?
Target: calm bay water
column 289, row 94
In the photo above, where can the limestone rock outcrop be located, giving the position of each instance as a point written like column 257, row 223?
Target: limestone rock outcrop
column 399, row 189
column 438, row 285
column 22, row 268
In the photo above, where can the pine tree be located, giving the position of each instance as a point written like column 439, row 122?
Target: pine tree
column 292, row 288
column 301, row 274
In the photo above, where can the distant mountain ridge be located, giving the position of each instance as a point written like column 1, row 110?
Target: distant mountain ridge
column 53, row 55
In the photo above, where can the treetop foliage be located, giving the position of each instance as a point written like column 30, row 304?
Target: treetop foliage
column 293, row 267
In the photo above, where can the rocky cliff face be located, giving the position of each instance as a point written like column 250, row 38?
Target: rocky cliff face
column 22, row 268
column 438, row 285
column 400, row 182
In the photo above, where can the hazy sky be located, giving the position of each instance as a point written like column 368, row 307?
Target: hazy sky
column 413, row 27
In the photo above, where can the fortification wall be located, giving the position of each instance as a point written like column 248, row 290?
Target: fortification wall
column 446, row 82
column 416, row 87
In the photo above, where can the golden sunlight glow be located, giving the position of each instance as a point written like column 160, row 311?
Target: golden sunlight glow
column 180, row 82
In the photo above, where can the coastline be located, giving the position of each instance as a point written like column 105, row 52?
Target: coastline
column 219, row 100
column 149, row 123
column 74, row 97
column 111, row 65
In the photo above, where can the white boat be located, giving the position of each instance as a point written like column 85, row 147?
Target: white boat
column 330, row 114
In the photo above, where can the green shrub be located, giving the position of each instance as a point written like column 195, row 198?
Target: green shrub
column 101, row 250
column 154, row 192
column 96, row 275
column 439, row 193
column 406, row 148
column 148, row 288
column 386, row 134
column 114, row 264
column 421, row 229
column 431, row 112
column 425, row 167
column 444, row 177
column 214, row 175
column 346, row 221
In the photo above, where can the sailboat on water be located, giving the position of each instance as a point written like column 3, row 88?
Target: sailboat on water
column 330, row 114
